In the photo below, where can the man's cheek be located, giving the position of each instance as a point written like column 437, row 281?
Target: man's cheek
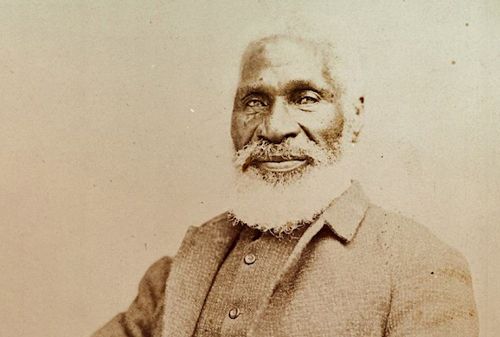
column 331, row 139
column 318, row 119
column 244, row 126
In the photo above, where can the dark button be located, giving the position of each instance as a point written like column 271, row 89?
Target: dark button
column 249, row 259
column 234, row 313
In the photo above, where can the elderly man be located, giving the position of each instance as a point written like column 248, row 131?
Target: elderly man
column 302, row 251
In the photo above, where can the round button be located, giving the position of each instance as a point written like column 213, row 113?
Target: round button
column 250, row 259
column 234, row 313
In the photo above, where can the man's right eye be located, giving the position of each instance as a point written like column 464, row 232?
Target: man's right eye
column 255, row 103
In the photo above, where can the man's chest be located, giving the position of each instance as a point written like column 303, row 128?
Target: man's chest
column 330, row 291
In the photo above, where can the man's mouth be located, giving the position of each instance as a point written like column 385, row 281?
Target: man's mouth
column 280, row 164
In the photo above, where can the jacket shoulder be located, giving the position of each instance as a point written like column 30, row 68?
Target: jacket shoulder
column 210, row 225
column 398, row 233
column 141, row 317
column 215, row 221
column 409, row 246
column 431, row 283
column 155, row 277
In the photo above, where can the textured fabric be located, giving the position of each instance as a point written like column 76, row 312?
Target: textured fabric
column 143, row 317
column 357, row 271
column 240, row 285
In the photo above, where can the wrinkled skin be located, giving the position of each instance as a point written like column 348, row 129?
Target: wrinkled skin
column 286, row 93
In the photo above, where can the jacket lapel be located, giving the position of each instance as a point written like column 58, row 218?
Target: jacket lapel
column 291, row 261
column 343, row 217
column 193, row 270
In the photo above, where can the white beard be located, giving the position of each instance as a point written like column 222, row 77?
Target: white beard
column 283, row 207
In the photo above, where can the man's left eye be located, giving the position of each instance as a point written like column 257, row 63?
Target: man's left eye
column 307, row 100
column 307, row 97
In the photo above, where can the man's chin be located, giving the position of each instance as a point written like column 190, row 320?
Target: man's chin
column 281, row 201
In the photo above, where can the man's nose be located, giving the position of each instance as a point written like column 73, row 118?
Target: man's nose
column 279, row 124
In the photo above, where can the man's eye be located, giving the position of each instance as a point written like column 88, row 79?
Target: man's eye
column 255, row 103
column 307, row 97
column 307, row 100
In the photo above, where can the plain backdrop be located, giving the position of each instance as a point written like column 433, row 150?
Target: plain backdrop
column 114, row 136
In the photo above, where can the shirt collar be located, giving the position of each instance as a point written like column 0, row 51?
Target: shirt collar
column 345, row 213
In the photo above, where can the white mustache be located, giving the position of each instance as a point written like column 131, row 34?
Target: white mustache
column 288, row 150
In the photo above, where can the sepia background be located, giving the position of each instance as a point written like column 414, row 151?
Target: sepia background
column 114, row 136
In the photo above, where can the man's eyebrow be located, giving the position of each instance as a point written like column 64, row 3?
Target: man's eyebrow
column 291, row 87
column 253, row 89
column 295, row 85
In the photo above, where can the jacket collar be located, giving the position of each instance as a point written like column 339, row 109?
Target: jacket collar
column 345, row 213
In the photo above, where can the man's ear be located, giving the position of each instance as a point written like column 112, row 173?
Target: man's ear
column 357, row 118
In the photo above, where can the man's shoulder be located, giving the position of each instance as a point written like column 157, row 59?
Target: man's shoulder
column 214, row 225
column 153, row 280
column 216, row 221
column 394, row 226
column 405, row 239
column 158, row 272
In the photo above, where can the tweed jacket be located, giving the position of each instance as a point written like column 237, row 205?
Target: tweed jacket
column 357, row 271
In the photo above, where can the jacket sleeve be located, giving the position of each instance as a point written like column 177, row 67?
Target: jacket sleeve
column 144, row 314
column 432, row 288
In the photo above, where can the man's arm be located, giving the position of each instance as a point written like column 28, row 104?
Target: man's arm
column 432, row 287
column 144, row 314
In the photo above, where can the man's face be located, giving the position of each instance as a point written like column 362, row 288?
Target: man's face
column 287, row 116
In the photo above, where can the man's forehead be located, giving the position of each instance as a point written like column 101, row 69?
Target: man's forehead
column 273, row 62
